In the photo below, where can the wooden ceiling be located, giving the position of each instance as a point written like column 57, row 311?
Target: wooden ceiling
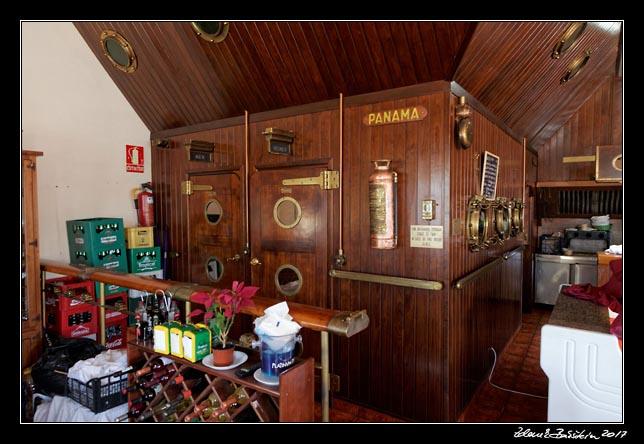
column 183, row 80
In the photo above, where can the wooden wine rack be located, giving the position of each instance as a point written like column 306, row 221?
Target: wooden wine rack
column 290, row 401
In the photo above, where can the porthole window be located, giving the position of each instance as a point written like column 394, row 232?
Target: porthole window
column 213, row 211
column 214, row 268
column 288, row 280
column 287, row 212
column 118, row 51
column 213, row 32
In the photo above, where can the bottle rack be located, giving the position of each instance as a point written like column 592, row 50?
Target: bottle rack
column 290, row 401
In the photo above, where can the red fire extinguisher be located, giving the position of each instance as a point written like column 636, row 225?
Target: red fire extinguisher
column 144, row 204
column 383, row 206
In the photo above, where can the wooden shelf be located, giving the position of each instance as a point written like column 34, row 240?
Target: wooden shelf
column 290, row 401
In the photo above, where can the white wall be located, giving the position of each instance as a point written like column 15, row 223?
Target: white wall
column 73, row 112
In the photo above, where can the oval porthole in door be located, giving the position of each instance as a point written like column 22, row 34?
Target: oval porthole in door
column 214, row 268
column 213, row 211
column 288, row 280
column 287, row 212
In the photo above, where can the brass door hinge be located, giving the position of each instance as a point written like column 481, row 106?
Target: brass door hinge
column 187, row 187
column 327, row 180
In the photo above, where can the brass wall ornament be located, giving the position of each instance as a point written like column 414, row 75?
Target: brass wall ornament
column 213, row 32
column 464, row 127
column 502, row 219
column 119, row 52
column 570, row 36
column 575, row 67
column 517, row 217
column 478, row 223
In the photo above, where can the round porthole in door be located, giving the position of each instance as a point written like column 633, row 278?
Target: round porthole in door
column 288, row 280
column 213, row 211
column 214, row 268
column 287, row 212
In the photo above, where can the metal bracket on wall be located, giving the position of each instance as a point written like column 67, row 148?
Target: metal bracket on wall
column 327, row 180
column 187, row 187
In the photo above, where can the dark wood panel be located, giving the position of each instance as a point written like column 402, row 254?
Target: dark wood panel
column 508, row 67
column 170, row 166
column 596, row 122
column 480, row 316
column 396, row 365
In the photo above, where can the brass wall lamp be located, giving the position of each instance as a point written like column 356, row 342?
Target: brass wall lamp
column 478, row 223
column 569, row 37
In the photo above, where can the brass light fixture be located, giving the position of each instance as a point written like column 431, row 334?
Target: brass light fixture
column 213, row 32
column 118, row 51
column 575, row 66
column 570, row 36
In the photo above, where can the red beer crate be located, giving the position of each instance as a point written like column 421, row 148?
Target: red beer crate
column 115, row 332
column 74, row 323
column 64, row 292
column 117, row 300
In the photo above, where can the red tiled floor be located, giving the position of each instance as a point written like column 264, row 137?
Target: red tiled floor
column 517, row 368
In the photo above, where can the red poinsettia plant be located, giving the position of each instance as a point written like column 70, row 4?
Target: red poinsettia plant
column 221, row 306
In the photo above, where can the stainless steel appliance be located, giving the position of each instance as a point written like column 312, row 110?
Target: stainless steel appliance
column 553, row 270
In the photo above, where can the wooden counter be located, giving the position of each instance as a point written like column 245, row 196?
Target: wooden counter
column 603, row 267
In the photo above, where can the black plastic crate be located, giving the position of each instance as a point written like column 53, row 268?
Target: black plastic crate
column 99, row 394
column 549, row 244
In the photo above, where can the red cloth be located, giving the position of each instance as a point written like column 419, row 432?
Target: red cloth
column 609, row 295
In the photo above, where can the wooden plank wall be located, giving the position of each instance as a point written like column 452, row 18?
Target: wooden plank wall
column 396, row 365
column 597, row 122
column 424, row 351
column 170, row 166
column 487, row 312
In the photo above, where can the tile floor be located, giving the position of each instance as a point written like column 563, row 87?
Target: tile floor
column 517, row 368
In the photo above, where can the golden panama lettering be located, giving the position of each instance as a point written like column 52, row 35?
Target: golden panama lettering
column 396, row 116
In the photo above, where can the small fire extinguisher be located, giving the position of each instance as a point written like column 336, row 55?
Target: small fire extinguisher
column 383, row 206
column 144, row 204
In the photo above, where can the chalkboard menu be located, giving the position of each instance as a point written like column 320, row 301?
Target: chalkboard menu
column 489, row 175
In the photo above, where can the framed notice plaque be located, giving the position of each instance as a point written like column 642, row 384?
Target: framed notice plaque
column 489, row 175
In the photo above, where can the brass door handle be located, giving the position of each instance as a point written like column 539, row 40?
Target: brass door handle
column 255, row 261
column 235, row 258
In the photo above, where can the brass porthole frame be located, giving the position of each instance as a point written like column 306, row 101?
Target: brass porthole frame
column 205, row 211
column 478, row 209
column 569, row 37
column 219, row 261
column 502, row 219
column 125, row 45
column 209, row 37
column 298, row 215
column 299, row 277
column 517, row 217
column 575, row 67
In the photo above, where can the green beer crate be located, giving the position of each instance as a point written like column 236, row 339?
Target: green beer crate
column 97, row 242
column 143, row 259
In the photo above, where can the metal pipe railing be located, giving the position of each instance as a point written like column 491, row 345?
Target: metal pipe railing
column 471, row 277
column 389, row 280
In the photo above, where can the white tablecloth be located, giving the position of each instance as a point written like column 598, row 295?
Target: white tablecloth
column 64, row 409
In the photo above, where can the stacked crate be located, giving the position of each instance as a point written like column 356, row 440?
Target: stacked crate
column 98, row 242
column 65, row 312
column 143, row 259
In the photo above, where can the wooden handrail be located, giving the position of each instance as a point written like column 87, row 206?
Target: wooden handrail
column 342, row 323
column 468, row 278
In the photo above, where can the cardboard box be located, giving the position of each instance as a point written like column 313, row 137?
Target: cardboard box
column 143, row 259
column 97, row 242
column 58, row 289
column 197, row 343
column 139, row 237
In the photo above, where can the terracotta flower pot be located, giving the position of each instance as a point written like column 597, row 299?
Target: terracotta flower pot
column 223, row 356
